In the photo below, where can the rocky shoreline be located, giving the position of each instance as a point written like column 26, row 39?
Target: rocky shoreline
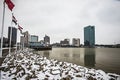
column 24, row 65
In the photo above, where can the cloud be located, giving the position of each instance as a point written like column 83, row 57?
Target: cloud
column 61, row 19
column 109, row 14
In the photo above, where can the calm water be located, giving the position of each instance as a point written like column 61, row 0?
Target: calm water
column 107, row 59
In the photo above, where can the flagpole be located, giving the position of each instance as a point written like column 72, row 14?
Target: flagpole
column 10, row 40
column 16, row 42
column 2, row 33
column 23, row 40
column 2, row 29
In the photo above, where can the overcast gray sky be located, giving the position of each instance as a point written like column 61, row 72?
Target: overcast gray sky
column 62, row 19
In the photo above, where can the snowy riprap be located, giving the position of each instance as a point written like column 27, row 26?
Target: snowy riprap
column 24, row 65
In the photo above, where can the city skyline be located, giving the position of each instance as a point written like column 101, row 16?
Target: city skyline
column 66, row 19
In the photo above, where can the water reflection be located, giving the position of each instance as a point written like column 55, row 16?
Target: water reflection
column 89, row 57
column 76, row 53
column 46, row 54
column 43, row 53
column 75, row 56
column 84, row 57
column 66, row 55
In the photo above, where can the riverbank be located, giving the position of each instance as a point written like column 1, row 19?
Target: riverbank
column 26, row 65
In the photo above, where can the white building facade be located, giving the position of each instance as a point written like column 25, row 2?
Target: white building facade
column 76, row 42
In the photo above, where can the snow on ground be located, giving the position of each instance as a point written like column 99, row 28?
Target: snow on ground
column 25, row 65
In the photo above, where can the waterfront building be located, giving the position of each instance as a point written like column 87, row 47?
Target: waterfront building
column 42, row 42
column 13, row 36
column 24, row 40
column 89, row 36
column 5, row 42
column 33, row 38
column 56, row 44
column 65, row 42
column 47, row 40
column 76, row 42
column 35, row 44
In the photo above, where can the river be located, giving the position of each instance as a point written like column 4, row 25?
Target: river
column 107, row 59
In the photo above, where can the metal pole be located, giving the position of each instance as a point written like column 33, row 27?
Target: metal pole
column 16, row 42
column 19, row 46
column 23, row 42
column 10, row 40
column 2, row 29
column 2, row 34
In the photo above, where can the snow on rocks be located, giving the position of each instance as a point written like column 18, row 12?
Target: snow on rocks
column 25, row 65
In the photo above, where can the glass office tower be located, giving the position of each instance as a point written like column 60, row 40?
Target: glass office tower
column 89, row 36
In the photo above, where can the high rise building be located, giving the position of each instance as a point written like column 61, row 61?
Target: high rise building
column 89, row 36
column 76, row 42
column 13, row 36
column 25, row 39
column 47, row 40
column 33, row 38
column 22, row 41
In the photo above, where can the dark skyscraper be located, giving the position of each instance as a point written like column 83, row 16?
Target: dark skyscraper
column 89, row 36
column 14, row 35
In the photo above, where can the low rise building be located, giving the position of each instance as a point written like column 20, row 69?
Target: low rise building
column 65, row 42
column 76, row 42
